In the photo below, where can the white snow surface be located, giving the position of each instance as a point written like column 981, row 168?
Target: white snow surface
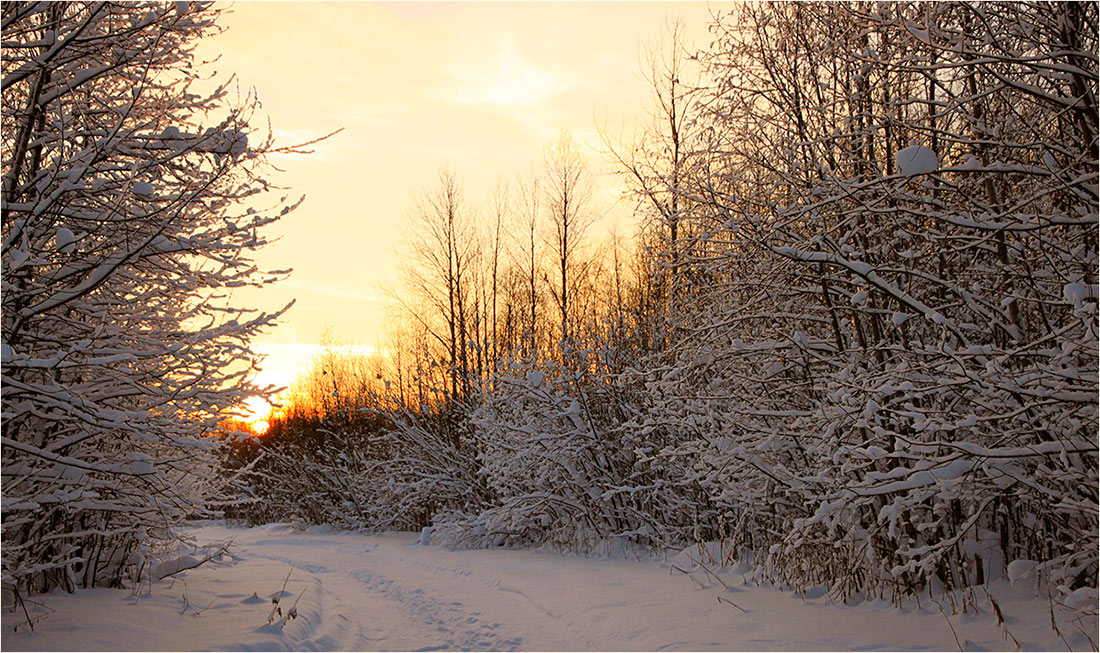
column 916, row 160
column 175, row 566
column 64, row 239
column 367, row 592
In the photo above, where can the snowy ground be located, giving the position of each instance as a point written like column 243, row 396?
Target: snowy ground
column 356, row 592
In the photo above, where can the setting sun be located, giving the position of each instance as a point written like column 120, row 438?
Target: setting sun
column 258, row 411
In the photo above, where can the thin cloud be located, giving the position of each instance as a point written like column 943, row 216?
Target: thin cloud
column 334, row 291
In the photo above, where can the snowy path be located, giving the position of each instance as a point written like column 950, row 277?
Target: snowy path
column 383, row 592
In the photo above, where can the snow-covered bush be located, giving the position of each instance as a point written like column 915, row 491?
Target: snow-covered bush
column 431, row 466
column 123, row 225
column 303, row 472
column 546, row 456
column 566, row 467
column 345, row 451
column 312, row 465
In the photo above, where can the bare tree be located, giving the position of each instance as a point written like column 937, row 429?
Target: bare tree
column 502, row 207
column 568, row 190
column 440, row 272
column 528, row 260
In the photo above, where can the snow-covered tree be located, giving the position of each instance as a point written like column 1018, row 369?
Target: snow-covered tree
column 893, row 381
column 126, row 176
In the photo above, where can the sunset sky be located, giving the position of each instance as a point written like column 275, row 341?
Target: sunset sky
column 482, row 87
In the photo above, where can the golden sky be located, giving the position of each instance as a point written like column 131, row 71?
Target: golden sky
column 483, row 87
